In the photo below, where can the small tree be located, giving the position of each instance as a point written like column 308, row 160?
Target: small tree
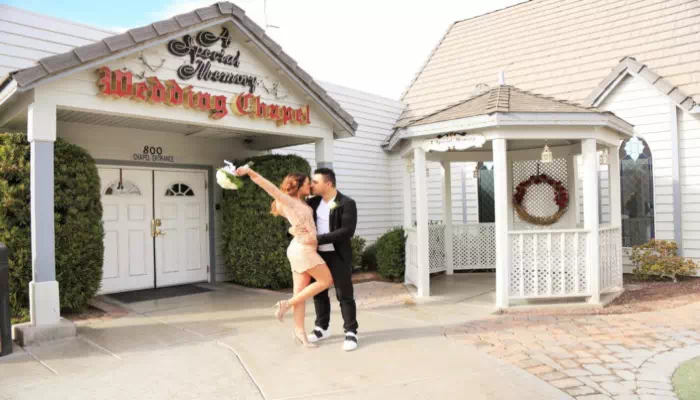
column 659, row 258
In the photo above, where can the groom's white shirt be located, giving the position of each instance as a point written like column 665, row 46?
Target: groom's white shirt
column 323, row 223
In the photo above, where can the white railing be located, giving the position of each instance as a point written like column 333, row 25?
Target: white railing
column 548, row 263
column 474, row 246
column 411, row 272
column 610, row 239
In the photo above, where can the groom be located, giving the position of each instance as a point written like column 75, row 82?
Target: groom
column 336, row 218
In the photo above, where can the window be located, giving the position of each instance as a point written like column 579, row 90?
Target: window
column 179, row 189
column 123, row 188
column 486, row 192
column 636, row 192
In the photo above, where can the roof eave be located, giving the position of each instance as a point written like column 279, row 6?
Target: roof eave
column 7, row 89
column 484, row 121
column 630, row 66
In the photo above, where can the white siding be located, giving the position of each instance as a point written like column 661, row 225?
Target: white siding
column 689, row 131
column 637, row 102
column 363, row 169
column 26, row 37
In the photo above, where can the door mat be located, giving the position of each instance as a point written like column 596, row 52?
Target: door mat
column 158, row 294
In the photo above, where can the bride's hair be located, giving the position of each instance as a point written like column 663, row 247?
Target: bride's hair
column 290, row 185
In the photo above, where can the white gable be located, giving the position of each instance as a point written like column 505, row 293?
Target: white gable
column 216, row 63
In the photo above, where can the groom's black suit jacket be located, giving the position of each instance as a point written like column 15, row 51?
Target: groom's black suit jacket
column 343, row 221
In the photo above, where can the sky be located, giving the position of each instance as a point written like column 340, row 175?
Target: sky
column 376, row 46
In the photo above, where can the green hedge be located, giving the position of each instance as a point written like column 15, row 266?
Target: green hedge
column 77, row 217
column 391, row 255
column 369, row 258
column 255, row 242
column 358, row 246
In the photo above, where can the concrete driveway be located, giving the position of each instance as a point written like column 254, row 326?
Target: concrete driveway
column 225, row 344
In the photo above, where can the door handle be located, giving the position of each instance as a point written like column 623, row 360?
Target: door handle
column 155, row 223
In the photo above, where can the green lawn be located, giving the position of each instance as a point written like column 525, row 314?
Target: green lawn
column 686, row 380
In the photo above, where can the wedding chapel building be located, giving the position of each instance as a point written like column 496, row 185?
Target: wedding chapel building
column 537, row 141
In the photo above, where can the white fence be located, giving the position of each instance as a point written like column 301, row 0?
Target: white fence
column 548, row 264
column 610, row 257
column 543, row 263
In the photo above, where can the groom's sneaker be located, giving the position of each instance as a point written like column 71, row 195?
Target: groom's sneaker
column 350, row 342
column 318, row 334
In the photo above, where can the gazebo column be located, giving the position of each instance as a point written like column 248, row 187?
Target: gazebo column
column 590, row 215
column 407, row 209
column 447, row 215
column 615, row 200
column 501, row 201
column 422, row 229
column 571, row 216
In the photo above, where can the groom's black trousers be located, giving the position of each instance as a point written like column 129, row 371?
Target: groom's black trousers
column 342, row 280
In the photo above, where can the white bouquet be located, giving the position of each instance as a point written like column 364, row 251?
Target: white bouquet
column 226, row 176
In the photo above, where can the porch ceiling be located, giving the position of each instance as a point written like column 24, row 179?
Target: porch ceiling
column 251, row 140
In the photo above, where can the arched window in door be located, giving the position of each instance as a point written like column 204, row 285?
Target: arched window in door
column 486, row 192
column 637, row 192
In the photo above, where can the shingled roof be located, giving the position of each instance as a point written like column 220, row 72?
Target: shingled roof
column 558, row 48
column 503, row 99
column 122, row 44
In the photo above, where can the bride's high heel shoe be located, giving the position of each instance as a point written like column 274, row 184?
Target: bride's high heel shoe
column 282, row 308
column 300, row 338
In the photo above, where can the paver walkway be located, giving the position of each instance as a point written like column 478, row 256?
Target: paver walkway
column 621, row 357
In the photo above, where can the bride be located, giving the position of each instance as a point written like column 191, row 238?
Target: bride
column 305, row 260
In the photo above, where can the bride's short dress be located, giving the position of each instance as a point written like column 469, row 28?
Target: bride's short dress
column 302, row 251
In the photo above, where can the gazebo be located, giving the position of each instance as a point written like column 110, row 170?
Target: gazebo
column 539, row 245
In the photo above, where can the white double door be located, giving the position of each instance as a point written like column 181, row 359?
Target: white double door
column 156, row 224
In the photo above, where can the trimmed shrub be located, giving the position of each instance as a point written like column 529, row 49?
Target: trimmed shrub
column 254, row 241
column 391, row 255
column 358, row 246
column 77, row 218
column 658, row 258
column 369, row 258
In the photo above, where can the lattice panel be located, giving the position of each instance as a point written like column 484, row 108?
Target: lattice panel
column 581, row 267
column 548, row 264
column 436, row 248
column 539, row 200
column 474, row 246
column 610, row 258
column 516, row 265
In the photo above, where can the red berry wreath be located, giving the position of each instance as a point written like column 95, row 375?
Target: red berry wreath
column 561, row 199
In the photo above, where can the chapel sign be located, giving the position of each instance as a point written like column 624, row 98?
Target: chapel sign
column 201, row 57
column 453, row 141
column 120, row 84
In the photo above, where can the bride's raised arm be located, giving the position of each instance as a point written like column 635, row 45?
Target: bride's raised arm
column 266, row 185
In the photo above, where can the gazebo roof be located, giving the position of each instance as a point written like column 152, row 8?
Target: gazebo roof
column 506, row 106
column 504, row 99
